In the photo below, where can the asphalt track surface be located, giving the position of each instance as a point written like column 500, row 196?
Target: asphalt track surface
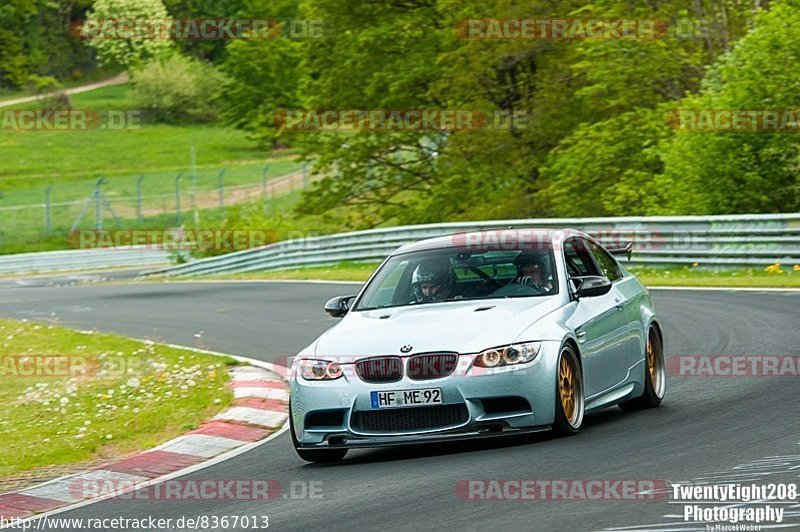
column 706, row 425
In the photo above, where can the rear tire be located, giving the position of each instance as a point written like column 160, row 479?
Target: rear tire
column 569, row 393
column 655, row 378
column 317, row 456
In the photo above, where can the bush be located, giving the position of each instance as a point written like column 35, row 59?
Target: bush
column 58, row 101
column 42, row 84
column 176, row 89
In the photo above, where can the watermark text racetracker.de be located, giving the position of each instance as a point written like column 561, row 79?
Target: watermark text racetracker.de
column 177, row 490
column 199, row 29
column 561, row 490
column 172, row 239
column 331, row 120
column 79, row 366
column 735, row 120
column 69, row 120
column 535, row 29
column 755, row 365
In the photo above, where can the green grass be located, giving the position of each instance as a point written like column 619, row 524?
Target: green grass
column 686, row 276
column 788, row 276
column 34, row 159
column 133, row 396
column 72, row 161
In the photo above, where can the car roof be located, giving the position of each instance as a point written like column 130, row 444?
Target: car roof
column 485, row 239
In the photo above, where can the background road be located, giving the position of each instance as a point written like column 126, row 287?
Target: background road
column 705, row 427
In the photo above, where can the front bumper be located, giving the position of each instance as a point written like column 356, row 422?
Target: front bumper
column 325, row 414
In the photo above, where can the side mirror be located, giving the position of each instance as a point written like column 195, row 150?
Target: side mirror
column 338, row 306
column 591, row 286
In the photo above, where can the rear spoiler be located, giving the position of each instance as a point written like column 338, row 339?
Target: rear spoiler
column 627, row 251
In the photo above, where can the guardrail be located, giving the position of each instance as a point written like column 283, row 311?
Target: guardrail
column 81, row 259
column 733, row 240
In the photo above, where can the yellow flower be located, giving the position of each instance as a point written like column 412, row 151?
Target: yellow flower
column 774, row 268
column 695, row 265
column 796, row 267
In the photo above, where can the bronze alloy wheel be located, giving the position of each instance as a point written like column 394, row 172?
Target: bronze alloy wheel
column 570, row 407
column 567, row 385
column 655, row 375
column 655, row 363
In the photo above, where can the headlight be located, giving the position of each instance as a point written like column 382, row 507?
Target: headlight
column 320, row 370
column 510, row 355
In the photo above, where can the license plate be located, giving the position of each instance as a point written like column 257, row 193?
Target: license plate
column 393, row 399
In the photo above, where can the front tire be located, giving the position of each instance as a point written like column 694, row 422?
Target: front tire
column 317, row 456
column 569, row 393
column 655, row 375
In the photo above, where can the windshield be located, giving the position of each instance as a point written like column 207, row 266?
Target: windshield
column 454, row 275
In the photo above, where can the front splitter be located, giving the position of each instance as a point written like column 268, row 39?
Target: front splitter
column 358, row 442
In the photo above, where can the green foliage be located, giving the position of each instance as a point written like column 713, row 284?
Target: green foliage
column 41, row 84
column 595, row 109
column 176, row 89
column 35, row 39
column 205, row 50
column 126, row 51
column 607, row 168
column 726, row 172
column 13, row 63
column 264, row 75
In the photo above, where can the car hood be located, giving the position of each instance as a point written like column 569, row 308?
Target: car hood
column 463, row 327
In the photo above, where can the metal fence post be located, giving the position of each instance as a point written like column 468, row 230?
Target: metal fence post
column 98, row 212
column 194, row 188
column 47, row 208
column 265, row 182
column 221, row 193
column 178, row 197
column 139, row 200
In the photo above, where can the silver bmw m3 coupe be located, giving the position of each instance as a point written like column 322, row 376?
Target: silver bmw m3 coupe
column 478, row 335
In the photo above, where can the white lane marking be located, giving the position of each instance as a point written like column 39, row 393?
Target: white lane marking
column 203, row 445
column 290, row 281
column 255, row 416
column 765, row 467
column 250, row 373
column 723, row 289
column 69, row 489
column 261, row 393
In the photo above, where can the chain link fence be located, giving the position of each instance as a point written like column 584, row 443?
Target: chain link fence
column 41, row 217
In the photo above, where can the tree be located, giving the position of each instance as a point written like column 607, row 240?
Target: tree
column 720, row 172
column 131, row 50
column 13, row 63
column 594, row 109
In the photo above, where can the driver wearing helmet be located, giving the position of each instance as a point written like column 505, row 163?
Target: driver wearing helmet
column 433, row 280
column 532, row 270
